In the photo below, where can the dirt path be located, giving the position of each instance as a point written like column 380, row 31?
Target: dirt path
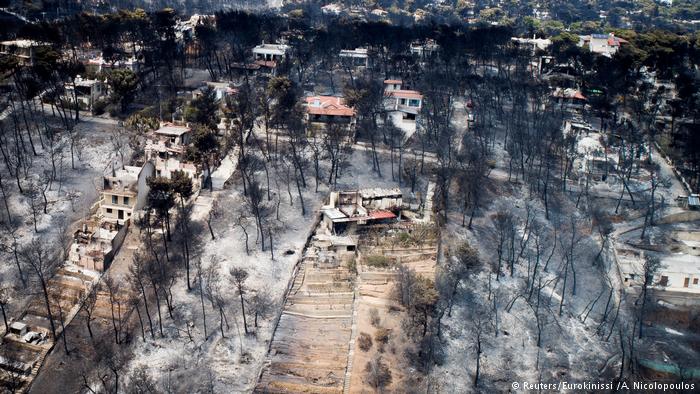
column 319, row 305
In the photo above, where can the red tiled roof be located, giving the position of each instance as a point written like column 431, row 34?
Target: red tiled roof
column 381, row 215
column 393, row 81
column 569, row 94
column 578, row 96
column 266, row 63
column 408, row 94
column 616, row 41
column 328, row 105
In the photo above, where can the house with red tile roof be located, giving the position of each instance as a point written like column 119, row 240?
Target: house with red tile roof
column 329, row 109
column 570, row 98
column 409, row 102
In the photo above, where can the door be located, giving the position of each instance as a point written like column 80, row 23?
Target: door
column 686, row 282
column 120, row 215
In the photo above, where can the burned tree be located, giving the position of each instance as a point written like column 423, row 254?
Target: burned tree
column 377, row 374
column 41, row 262
column 651, row 266
column 239, row 276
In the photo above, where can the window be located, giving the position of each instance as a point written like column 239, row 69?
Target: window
column 109, row 210
column 414, row 103
column 126, row 200
column 663, row 281
column 115, row 200
column 695, row 281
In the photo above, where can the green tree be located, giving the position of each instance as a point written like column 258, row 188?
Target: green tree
column 161, row 198
column 123, row 83
column 203, row 148
column 181, row 185
column 282, row 91
column 203, row 109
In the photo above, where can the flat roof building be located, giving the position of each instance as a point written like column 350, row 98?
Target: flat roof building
column 22, row 49
column 357, row 57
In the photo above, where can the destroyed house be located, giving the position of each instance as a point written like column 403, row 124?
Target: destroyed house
column 569, row 98
column 169, row 140
column 85, row 91
column 348, row 208
column 357, row 57
column 269, row 55
column 174, row 135
column 95, row 244
column 222, row 90
column 592, row 157
column 166, row 147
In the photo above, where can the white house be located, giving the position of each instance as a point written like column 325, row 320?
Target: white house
column 603, row 44
column 392, row 84
column 357, row 57
column 679, row 272
column 677, row 279
column 332, row 9
column 424, row 49
column 166, row 167
column 22, row 50
column 534, row 43
column 100, row 64
column 270, row 52
column 408, row 102
column 221, row 89
column 87, row 91
column 124, row 192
